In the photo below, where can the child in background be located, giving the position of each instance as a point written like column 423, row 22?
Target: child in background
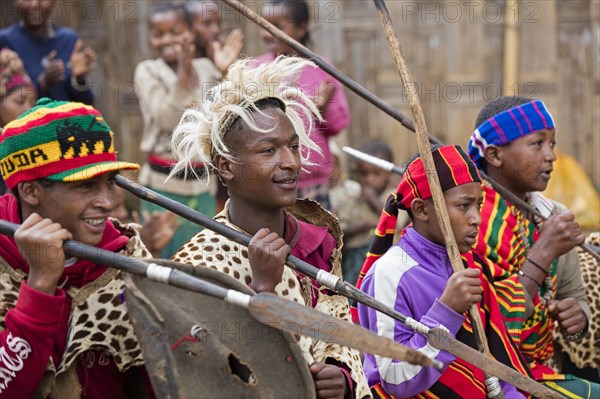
column 166, row 86
column 17, row 92
column 415, row 277
column 254, row 140
column 535, row 266
column 207, row 28
column 291, row 16
column 53, row 55
column 358, row 204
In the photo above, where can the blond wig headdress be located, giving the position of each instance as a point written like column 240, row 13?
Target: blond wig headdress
column 200, row 132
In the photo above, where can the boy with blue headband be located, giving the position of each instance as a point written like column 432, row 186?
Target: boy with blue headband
column 535, row 266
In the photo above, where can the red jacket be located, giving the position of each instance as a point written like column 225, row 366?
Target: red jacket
column 37, row 327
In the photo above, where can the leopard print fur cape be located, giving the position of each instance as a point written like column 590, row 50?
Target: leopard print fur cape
column 98, row 320
column 586, row 353
column 210, row 249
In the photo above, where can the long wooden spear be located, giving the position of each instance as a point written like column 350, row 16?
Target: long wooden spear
column 370, row 97
column 267, row 308
column 493, row 385
column 438, row 337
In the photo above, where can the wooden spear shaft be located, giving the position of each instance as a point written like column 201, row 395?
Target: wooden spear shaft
column 431, row 173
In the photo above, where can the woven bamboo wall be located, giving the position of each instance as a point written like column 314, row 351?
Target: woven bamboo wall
column 454, row 50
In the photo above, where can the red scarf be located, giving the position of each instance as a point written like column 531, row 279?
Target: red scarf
column 76, row 275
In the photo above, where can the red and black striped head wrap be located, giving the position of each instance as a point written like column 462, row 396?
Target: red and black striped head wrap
column 454, row 168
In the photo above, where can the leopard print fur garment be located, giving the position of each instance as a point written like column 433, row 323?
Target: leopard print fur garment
column 586, row 353
column 98, row 319
column 215, row 251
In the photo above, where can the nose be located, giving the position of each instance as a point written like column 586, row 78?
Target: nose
column 106, row 198
column 475, row 217
column 289, row 159
column 549, row 154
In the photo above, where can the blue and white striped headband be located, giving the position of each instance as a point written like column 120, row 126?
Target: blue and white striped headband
column 508, row 126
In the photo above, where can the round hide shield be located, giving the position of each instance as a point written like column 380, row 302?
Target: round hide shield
column 228, row 355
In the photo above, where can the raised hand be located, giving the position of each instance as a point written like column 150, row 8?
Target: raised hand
column 462, row 290
column 54, row 72
column 83, row 60
column 157, row 230
column 267, row 252
column 40, row 241
column 225, row 54
column 330, row 381
column 187, row 76
column 324, row 93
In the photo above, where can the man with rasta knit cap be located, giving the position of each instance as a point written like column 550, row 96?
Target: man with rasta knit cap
column 415, row 277
column 535, row 265
column 64, row 331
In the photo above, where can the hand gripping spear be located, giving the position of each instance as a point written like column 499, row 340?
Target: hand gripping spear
column 492, row 382
column 438, row 337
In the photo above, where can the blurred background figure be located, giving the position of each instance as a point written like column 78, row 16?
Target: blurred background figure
column 358, row 204
column 206, row 20
column 17, row 92
column 54, row 56
column 165, row 87
column 158, row 227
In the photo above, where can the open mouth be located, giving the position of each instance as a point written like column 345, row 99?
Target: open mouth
column 95, row 224
column 546, row 174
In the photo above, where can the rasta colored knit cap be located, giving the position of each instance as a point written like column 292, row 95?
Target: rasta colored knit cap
column 58, row 141
column 507, row 126
column 453, row 167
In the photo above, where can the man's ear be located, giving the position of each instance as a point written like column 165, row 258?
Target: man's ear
column 30, row 193
column 419, row 210
column 224, row 168
column 493, row 155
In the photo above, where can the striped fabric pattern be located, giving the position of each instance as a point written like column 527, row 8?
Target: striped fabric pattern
column 461, row 380
column 508, row 126
column 453, row 168
column 62, row 141
column 500, row 241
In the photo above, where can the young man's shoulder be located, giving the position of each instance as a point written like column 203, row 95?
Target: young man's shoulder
column 312, row 213
column 65, row 32
column 9, row 31
column 393, row 266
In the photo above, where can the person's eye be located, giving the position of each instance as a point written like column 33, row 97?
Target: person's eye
column 269, row 150
column 295, row 147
